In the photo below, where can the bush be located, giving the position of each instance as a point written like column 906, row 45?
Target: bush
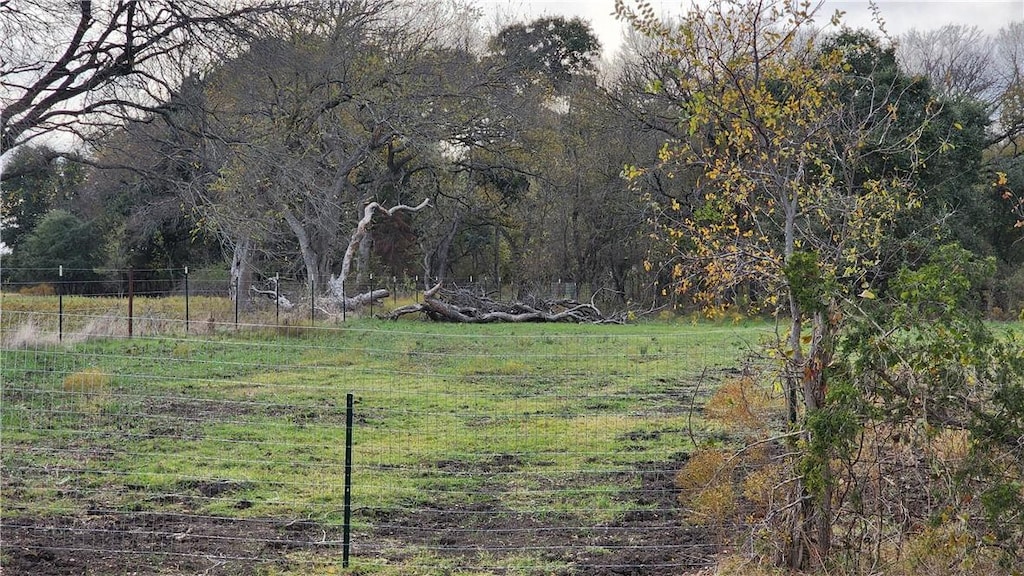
column 60, row 239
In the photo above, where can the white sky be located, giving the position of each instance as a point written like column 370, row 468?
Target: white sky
column 899, row 15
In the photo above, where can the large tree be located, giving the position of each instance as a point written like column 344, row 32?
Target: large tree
column 958, row 60
column 352, row 106
column 78, row 67
column 60, row 242
column 41, row 184
column 552, row 49
column 784, row 209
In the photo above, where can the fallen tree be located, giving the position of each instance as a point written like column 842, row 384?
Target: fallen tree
column 465, row 306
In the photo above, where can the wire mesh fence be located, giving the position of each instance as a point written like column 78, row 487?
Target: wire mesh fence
column 541, row 449
column 284, row 293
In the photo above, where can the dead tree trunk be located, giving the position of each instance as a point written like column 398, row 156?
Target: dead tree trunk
column 240, row 269
column 336, row 296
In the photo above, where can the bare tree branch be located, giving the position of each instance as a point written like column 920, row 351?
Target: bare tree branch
column 66, row 65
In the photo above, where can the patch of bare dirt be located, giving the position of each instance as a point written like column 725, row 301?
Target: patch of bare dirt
column 651, row 539
column 154, row 544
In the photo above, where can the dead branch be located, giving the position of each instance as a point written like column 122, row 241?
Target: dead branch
column 361, row 230
column 273, row 296
column 464, row 306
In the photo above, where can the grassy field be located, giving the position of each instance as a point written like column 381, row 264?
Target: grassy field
column 498, row 449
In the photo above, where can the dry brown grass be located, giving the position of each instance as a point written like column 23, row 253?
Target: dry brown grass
column 36, row 320
column 88, row 381
column 89, row 388
column 26, row 335
column 743, row 403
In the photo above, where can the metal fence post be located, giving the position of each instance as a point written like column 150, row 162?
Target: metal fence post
column 186, row 300
column 238, row 296
column 131, row 301
column 60, row 304
column 277, row 299
column 347, row 528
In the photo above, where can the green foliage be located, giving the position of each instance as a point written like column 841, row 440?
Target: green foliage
column 926, row 367
column 804, row 276
column 551, row 48
column 833, row 432
column 60, row 239
column 40, row 184
column 945, row 288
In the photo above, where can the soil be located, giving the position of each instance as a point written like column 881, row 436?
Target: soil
column 650, row 542
column 151, row 544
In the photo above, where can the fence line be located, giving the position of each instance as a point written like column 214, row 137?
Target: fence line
column 495, row 449
column 156, row 282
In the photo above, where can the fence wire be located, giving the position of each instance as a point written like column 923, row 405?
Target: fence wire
column 489, row 450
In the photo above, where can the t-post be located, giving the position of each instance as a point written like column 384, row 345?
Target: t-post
column 186, row 300
column 60, row 304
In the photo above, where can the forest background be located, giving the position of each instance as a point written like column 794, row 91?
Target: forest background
column 255, row 149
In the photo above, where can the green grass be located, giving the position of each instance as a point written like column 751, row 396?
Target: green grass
column 546, row 422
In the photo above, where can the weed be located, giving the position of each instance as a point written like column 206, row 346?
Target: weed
column 88, row 381
column 741, row 402
column 90, row 389
column 704, row 467
column 182, row 350
column 27, row 335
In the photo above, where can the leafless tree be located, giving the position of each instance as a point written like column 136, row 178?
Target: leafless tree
column 353, row 105
column 956, row 59
column 77, row 68
column 1008, row 63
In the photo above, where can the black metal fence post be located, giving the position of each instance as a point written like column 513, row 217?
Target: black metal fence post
column 312, row 303
column 344, row 302
column 238, row 296
column 371, row 295
column 277, row 299
column 131, row 302
column 347, row 529
column 60, row 304
column 186, row 300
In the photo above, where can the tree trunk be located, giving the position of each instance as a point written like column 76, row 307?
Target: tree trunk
column 811, row 538
column 819, row 357
column 310, row 258
column 338, row 286
column 469, row 307
column 363, row 261
column 241, row 270
column 436, row 264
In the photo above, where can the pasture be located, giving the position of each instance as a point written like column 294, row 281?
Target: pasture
column 499, row 449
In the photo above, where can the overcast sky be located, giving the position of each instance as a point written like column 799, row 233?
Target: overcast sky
column 899, row 15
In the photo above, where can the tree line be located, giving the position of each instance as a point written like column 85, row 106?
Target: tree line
column 257, row 146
